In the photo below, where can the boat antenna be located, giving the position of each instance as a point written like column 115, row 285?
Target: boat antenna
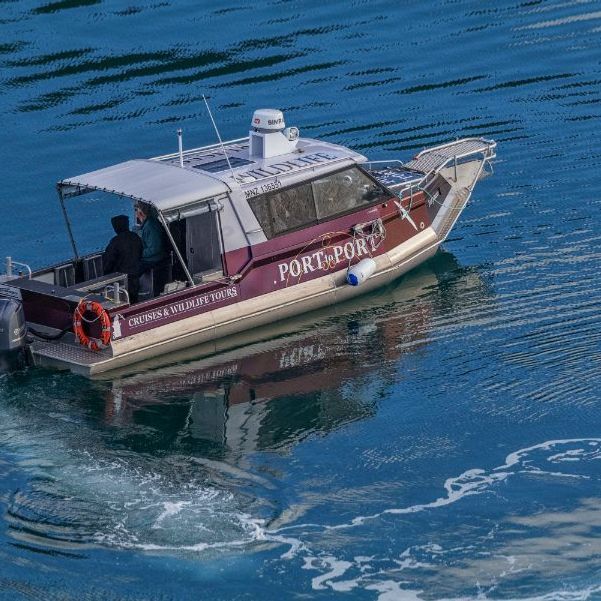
column 180, row 145
column 219, row 138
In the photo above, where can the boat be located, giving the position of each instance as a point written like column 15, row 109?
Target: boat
column 258, row 229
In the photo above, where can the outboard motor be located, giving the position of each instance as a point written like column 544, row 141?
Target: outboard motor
column 13, row 331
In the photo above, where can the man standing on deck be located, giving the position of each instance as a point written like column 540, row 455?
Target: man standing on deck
column 123, row 254
column 151, row 233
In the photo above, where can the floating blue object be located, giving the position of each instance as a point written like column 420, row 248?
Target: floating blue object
column 357, row 274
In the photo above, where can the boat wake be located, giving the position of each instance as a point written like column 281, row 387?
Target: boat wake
column 69, row 492
column 72, row 493
column 110, row 504
column 441, row 558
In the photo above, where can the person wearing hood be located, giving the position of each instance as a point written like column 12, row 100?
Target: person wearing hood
column 124, row 254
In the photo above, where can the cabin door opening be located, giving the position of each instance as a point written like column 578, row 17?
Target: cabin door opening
column 203, row 247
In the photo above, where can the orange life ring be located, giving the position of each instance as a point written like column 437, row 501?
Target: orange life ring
column 94, row 344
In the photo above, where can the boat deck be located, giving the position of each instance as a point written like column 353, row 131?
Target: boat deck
column 68, row 355
column 434, row 158
column 396, row 175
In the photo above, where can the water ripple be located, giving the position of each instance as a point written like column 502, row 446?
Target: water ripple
column 53, row 7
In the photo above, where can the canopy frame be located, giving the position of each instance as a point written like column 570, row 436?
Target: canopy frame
column 137, row 180
column 176, row 250
column 160, row 215
column 160, row 184
column 67, row 221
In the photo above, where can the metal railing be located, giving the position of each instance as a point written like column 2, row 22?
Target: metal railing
column 453, row 143
column 113, row 292
column 199, row 151
column 384, row 163
column 487, row 151
column 10, row 263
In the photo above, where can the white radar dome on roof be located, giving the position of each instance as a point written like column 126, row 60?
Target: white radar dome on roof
column 268, row 119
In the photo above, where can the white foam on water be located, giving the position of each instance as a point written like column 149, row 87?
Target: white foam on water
column 471, row 482
column 253, row 532
column 171, row 509
column 125, row 500
column 379, row 574
column 477, row 481
column 148, row 504
column 520, row 457
column 336, row 568
column 156, row 514
column 389, row 590
column 583, row 594
column 295, row 545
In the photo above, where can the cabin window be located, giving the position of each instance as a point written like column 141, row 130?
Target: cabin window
column 311, row 203
column 285, row 210
column 343, row 192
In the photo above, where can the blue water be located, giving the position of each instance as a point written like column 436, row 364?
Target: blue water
column 439, row 439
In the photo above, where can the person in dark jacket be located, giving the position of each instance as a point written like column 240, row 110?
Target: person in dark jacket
column 124, row 254
column 154, row 255
column 151, row 232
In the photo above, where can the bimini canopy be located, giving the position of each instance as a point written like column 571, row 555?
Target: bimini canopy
column 167, row 187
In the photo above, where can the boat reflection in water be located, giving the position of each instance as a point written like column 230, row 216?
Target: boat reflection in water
column 313, row 374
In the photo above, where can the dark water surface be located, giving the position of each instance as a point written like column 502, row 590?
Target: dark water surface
column 440, row 439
